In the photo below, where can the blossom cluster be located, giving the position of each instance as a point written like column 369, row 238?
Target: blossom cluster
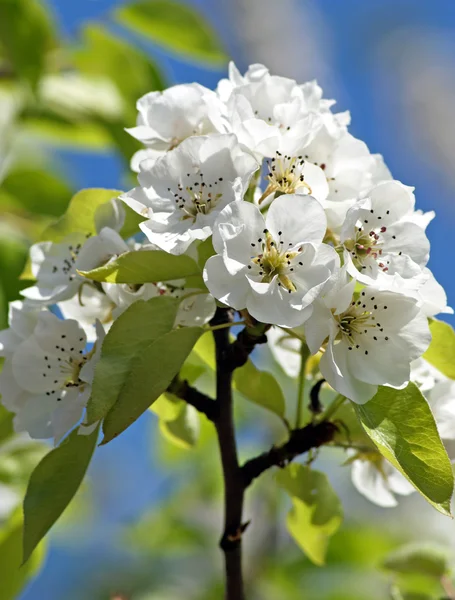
column 310, row 234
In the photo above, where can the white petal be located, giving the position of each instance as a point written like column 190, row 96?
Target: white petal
column 226, row 288
column 299, row 218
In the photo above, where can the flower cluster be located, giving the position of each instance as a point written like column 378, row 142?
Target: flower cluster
column 308, row 233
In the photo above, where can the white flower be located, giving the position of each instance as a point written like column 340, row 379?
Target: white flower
column 371, row 339
column 225, row 87
column 377, row 238
column 22, row 319
column 46, row 381
column 263, row 111
column 55, row 265
column 195, row 309
column 274, row 267
column 183, row 192
column 418, row 283
column 167, row 118
column 425, row 376
column 286, row 350
column 378, row 480
column 87, row 307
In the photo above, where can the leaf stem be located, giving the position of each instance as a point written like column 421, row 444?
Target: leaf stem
column 224, row 326
column 332, row 408
column 304, row 354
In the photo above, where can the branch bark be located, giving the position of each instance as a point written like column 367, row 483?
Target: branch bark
column 301, row 440
column 231, row 540
column 201, row 402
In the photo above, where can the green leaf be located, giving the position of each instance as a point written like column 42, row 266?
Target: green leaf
column 260, row 387
column 316, row 513
column 105, row 55
column 149, row 378
column 53, row 484
column 123, row 347
column 26, row 36
column 205, row 350
column 144, row 266
column 80, row 214
column 175, row 26
column 179, row 422
column 13, row 255
column 402, row 427
column 13, row 576
column 184, row 430
column 422, row 559
column 441, row 353
column 37, row 190
column 6, row 423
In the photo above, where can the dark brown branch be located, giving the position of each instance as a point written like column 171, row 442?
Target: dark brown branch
column 201, row 402
column 244, row 344
column 301, row 441
column 231, row 540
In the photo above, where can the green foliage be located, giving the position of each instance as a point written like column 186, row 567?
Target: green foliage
column 175, row 26
column 13, row 576
column 6, row 423
column 183, row 431
column 260, row 387
column 17, row 461
column 53, row 484
column 132, row 71
column 441, row 353
column 159, row 363
column 13, row 255
column 419, row 558
column 80, row 215
column 402, row 426
column 123, row 347
column 26, row 36
column 316, row 513
column 144, row 266
column 37, row 191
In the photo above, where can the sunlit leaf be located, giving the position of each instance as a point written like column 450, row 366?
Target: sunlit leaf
column 144, row 266
column 402, row 426
column 419, row 558
column 149, row 378
column 175, row 26
column 13, row 576
column 53, row 484
column 26, row 36
column 441, row 353
column 260, row 387
column 316, row 512
column 124, row 346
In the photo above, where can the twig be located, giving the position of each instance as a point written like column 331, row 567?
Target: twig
column 301, row 441
column 231, row 540
column 201, row 402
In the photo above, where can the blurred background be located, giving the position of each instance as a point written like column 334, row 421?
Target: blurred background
column 146, row 523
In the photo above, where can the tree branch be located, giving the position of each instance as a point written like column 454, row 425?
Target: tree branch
column 201, row 402
column 301, row 441
column 244, row 344
column 231, row 540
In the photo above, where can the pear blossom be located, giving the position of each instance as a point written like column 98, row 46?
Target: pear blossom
column 286, row 350
column 195, row 309
column 183, row 192
column 87, row 307
column 378, row 480
column 235, row 79
column 377, row 238
column 167, row 118
column 275, row 267
column 55, row 265
column 46, row 379
column 370, row 339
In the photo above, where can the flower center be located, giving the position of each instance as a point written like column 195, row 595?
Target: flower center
column 353, row 322
column 285, row 176
column 274, row 261
column 67, row 264
column 366, row 244
column 196, row 197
